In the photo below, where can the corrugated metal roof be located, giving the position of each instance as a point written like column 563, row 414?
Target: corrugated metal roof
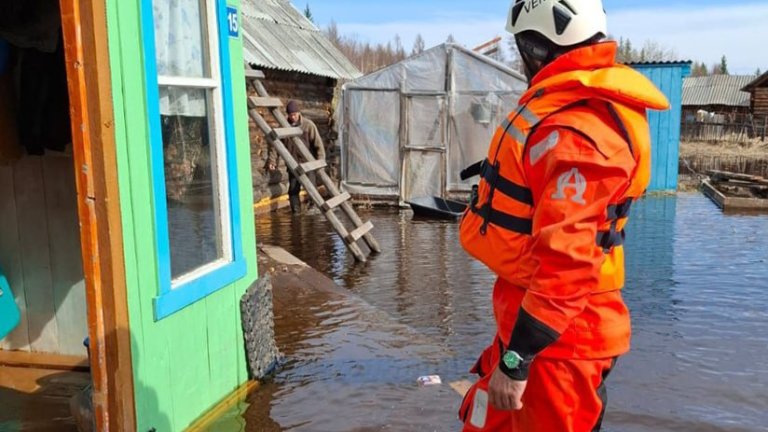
column 716, row 90
column 277, row 36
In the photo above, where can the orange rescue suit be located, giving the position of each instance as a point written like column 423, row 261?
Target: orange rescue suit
column 554, row 196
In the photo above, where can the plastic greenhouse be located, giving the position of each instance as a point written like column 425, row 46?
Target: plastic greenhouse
column 409, row 129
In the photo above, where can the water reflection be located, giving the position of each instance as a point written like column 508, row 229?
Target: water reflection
column 696, row 287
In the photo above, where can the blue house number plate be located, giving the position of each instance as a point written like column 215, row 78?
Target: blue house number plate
column 232, row 22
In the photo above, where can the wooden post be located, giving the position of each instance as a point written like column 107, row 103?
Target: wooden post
column 86, row 47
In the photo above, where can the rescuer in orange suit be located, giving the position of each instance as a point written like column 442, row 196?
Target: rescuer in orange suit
column 548, row 218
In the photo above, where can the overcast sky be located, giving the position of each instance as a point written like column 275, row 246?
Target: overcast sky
column 701, row 30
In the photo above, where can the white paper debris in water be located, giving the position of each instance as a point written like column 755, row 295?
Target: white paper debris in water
column 430, row 380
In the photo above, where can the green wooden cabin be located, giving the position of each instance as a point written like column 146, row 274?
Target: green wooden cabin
column 140, row 234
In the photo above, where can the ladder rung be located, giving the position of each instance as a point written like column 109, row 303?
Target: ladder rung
column 311, row 166
column 336, row 201
column 254, row 74
column 265, row 102
column 360, row 232
column 290, row 132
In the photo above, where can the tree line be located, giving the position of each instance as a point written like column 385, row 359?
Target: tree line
column 369, row 57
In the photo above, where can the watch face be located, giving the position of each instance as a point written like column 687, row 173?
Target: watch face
column 512, row 359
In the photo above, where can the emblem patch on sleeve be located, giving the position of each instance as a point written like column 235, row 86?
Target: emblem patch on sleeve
column 575, row 183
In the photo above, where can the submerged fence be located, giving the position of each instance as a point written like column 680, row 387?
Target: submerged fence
column 700, row 164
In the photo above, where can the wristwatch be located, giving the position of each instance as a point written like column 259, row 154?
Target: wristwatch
column 514, row 366
column 512, row 360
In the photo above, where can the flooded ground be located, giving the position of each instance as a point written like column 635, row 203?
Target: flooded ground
column 697, row 288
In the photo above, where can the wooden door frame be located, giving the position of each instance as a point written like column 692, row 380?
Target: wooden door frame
column 84, row 26
column 407, row 148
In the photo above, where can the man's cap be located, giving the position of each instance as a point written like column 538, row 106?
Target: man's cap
column 292, row 107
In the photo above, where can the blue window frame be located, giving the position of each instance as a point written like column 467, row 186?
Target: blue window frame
column 190, row 112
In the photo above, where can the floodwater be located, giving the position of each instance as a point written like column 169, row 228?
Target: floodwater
column 697, row 287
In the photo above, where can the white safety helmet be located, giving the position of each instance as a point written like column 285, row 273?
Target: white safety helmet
column 564, row 22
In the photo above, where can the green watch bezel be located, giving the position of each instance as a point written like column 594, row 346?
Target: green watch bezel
column 512, row 360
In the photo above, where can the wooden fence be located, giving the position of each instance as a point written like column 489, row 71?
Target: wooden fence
column 743, row 131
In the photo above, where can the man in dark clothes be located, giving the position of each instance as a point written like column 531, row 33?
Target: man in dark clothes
column 311, row 139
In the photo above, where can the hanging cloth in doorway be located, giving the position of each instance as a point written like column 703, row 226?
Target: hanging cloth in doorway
column 31, row 23
column 44, row 101
column 9, row 138
column 34, row 27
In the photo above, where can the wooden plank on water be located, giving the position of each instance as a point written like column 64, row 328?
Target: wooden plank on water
column 10, row 258
column 35, row 255
column 715, row 195
column 65, row 252
column 733, row 203
column 718, row 175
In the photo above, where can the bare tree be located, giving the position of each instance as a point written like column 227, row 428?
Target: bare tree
column 332, row 33
column 365, row 56
column 699, row 69
column 651, row 51
column 399, row 50
column 418, row 45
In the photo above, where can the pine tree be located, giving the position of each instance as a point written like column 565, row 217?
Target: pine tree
column 758, row 72
column 308, row 14
column 724, row 66
column 451, row 39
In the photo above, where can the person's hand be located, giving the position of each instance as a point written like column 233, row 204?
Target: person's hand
column 504, row 393
column 271, row 167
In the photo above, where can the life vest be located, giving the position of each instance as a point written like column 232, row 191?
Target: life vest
column 497, row 227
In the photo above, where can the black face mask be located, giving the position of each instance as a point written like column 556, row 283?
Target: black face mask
column 535, row 51
column 530, row 65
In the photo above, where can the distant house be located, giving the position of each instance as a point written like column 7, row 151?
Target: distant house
column 758, row 90
column 718, row 95
column 299, row 63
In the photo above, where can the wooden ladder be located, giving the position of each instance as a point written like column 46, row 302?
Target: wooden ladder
column 361, row 230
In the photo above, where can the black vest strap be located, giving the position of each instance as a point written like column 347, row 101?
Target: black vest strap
column 619, row 211
column 610, row 239
column 507, row 187
column 504, row 220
